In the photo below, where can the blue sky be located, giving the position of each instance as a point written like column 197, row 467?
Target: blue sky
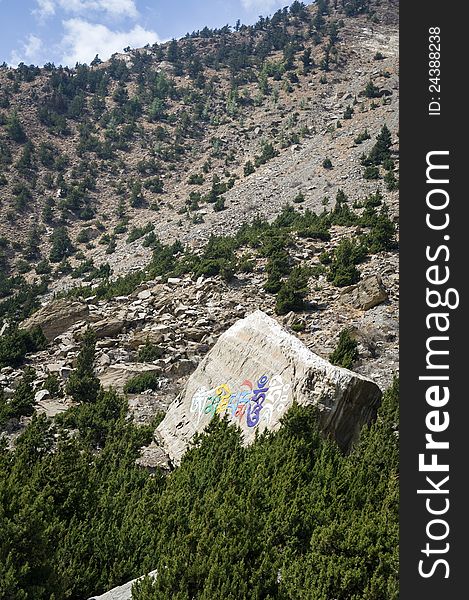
column 70, row 31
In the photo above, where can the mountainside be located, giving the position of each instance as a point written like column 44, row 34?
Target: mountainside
column 148, row 204
column 104, row 166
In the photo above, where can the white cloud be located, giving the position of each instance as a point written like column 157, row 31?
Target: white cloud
column 29, row 52
column 263, row 5
column 115, row 8
column 83, row 40
column 45, row 8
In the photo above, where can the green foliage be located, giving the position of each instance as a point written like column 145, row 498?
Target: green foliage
column 392, row 183
column 138, row 232
column 52, row 385
column 371, row 172
column 196, row 179
column 149, row 352
column 164, row 259
column 219, row 204
column 23, row 196
column 15, row 129
column 362, row 137
column 299, row 198
column 382, row 234
column 346, row 352
column 342, row 270
column 317, row 520
column 292, row 293
column 43, row 267
column 62, row 246
column 83, row 385
column 15, row 344
column 348, row 113
column 22, row 402
column 78, row 521
column 380, row 152
column 142, row 382
column 218, row 258
column 249, row 168
column 371, row 90
column 268, row 152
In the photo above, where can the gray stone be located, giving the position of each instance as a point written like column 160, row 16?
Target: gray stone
column 154, row 336
column 153, row 457
column 40, row 395
column 56, row 317
column 144, row 295
column 109, row 327
column 366, row 294
column 256, row 353
column 116, row 376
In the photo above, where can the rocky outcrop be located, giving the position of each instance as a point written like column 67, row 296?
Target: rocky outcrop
column 116, row 376
column 252, row 374
column 123, row 592
column 366, row 294
column 57, row 317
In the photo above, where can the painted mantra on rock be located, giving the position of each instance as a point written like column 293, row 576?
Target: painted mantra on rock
column 254, row 402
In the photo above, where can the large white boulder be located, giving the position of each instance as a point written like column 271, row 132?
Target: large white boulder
column 253, row 374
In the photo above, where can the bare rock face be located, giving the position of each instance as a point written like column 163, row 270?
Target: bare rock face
column 57, row 317
column 252, row 374
column 118, row 375
column 366, row 294
column 123, row 592
column 109, row 327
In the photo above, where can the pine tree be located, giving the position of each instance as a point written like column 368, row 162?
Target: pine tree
column 15, row 129
column 346, row 352
column 83, row 385
column 292, row 293
column 61, row 245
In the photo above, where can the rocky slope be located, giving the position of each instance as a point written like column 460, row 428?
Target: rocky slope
column 185, row 315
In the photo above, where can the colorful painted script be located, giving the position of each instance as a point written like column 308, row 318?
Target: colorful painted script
column 253, row 402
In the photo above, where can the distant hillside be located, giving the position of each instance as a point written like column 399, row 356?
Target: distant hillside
column 165, row 138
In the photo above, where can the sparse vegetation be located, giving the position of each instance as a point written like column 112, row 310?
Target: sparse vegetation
column 346, row 352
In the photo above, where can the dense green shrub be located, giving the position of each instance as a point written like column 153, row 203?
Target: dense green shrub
column 371, row 172
column 371, row 90
column 142, row 382
column 196, row 179
column 138, row 232
column 381, row 151
column 268, row 152
column 149, row 352
column 52, row 385
column 22, row 402
column 62, row 246
column 15, row 344
column 292, row 293
column 362, row 137
column 342, row 270
column 82, row 384
column 392, row 183
column 15, row 129
column 348, row 112
column 81, row 495
column 346, row 352
column 299, row 198
column 248, row 168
